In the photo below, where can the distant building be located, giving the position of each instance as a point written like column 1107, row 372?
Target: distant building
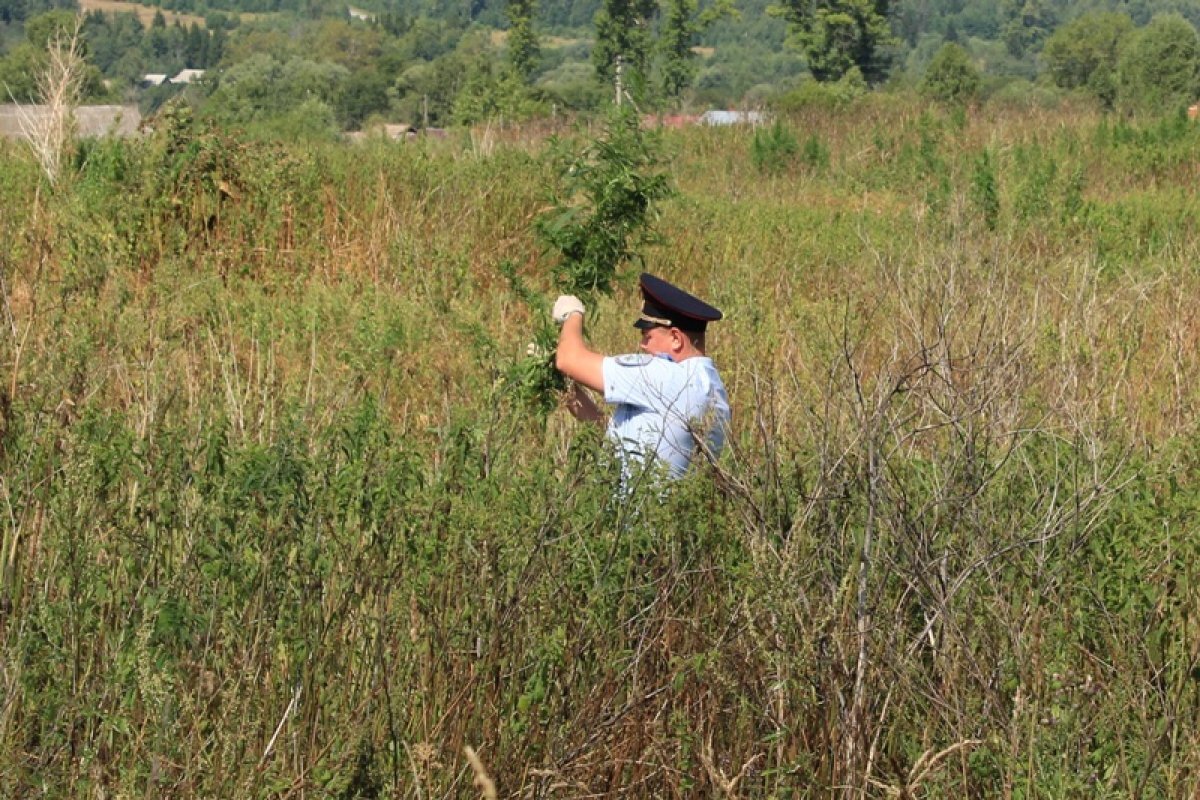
column 90, row 121
column 714, row 117
column 184, row 76
column 188, row 76
column 718, row 117
column 358, row 13
column 396, row 132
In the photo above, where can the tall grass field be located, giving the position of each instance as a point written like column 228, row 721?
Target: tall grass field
column 280, row 518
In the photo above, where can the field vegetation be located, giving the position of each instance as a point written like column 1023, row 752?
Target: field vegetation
column 277, row 520
column 145, row 14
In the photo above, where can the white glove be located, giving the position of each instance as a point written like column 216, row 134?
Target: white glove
column 565, row 306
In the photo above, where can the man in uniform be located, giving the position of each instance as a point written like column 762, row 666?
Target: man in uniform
column 669, row 400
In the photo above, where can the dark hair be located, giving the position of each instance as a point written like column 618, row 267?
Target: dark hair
column 695, row 337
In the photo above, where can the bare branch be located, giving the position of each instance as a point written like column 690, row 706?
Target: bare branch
column 50, row 126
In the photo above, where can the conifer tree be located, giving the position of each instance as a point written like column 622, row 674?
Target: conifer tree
column 680, row 32
column 524, row 52
column 951, row 77
column 1029, row 23
column 624, row 40
column 836, row 35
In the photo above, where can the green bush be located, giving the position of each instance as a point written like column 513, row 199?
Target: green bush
column 815, row 153
column 1018, row 94
column 1083, row 54
column 950, row 76
column 1159, row 66
column 985, row 189
column 603, row 205
column 773, row 147
column 816, row 95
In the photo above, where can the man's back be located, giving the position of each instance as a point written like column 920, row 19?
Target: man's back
column 665, row 408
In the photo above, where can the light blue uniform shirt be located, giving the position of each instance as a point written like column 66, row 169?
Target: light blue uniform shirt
column 659, row 403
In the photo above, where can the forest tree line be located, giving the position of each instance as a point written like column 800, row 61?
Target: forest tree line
column 316, row 67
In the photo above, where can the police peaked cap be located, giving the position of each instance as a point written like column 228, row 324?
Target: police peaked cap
column 671, row 307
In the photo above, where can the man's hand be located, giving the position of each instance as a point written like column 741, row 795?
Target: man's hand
column 581, row 405
column 565, row 306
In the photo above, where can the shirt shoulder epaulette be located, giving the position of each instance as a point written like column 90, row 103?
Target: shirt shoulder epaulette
column 634, row 360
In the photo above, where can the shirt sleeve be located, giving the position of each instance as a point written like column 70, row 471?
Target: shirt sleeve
column 639, row 380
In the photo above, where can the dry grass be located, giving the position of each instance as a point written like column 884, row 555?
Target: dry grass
column 498, row 38
column 145, row 14
column 50, row 128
